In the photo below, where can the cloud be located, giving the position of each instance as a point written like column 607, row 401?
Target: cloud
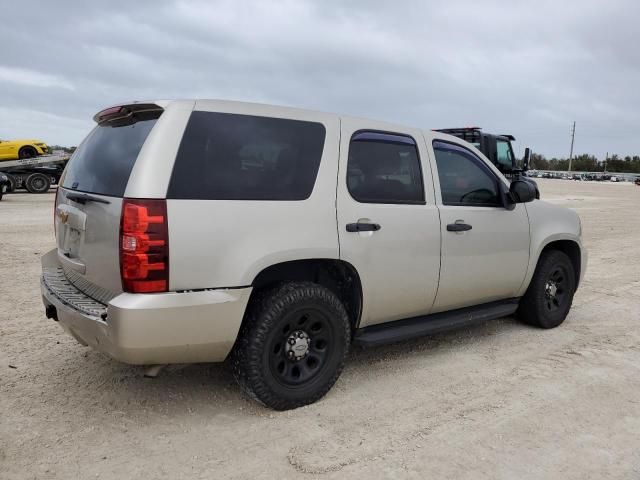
column 47, row 126
column 526, row 68
column 23, row 76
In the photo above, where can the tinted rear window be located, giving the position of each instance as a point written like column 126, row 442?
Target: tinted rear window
column 242, row 157
column 384, row 168
column 103, row 163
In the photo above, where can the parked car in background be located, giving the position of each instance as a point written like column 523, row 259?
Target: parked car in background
column 15, row 149
column 196, row 231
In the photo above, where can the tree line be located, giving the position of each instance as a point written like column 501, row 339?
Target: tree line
column 65, row 149
column 587, row 163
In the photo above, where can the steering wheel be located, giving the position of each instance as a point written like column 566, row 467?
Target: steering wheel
column 480, row 192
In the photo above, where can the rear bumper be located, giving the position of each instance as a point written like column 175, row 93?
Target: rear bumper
column 147, row 328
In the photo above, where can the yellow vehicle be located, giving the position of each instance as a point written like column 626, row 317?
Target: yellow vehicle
column 15, row 149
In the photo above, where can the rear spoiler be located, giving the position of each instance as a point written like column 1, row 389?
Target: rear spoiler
column 121, row 112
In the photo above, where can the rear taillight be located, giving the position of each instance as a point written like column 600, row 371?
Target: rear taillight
column 144, row 246
column 108, row 112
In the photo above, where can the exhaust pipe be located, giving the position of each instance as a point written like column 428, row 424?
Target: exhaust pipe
column 51, row 312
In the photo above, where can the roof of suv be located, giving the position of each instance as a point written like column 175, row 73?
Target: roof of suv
column 249, row 107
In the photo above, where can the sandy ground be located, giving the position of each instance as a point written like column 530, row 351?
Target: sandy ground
column 500, row 400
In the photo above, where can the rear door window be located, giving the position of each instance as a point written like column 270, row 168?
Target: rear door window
column 226, row 156
column 384, row 168
column 103, row 162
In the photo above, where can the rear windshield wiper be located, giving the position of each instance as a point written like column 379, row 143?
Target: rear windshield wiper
column 84, row 198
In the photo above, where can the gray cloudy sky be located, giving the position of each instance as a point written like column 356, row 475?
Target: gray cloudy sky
column 526, row 68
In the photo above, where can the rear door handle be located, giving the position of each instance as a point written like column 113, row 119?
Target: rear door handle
column 363, row 227
column 458, row 227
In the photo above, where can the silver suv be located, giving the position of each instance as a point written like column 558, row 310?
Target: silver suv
column 199, row 231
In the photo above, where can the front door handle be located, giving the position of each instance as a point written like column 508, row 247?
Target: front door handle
column 363, row 227
column 458, row 227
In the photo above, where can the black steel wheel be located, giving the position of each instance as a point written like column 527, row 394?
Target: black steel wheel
column 301, row 350
column 550, row 294
column 292, row 345
column 555, row 288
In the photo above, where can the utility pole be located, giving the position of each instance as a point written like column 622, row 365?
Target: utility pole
column 573, row 134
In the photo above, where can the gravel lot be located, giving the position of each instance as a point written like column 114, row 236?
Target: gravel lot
column 500, row 400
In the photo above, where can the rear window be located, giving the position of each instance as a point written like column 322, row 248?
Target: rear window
column 103, row 162
column 226, row 156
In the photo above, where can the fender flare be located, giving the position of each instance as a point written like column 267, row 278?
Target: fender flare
column 536, row 251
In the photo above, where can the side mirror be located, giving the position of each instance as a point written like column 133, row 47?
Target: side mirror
column 525, row 159
column 522, row 191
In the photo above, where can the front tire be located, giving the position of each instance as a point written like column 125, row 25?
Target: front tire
column 293, row 344
column 548, row 299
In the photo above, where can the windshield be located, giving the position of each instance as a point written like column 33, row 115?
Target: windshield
column 504, row 154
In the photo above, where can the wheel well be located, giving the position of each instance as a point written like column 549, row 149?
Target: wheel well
column 572, row 250
column 338, row 276
column 29, row 147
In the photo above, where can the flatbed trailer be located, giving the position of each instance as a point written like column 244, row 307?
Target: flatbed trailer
column 35, row 174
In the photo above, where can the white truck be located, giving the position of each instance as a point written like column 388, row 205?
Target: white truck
column 201, row 230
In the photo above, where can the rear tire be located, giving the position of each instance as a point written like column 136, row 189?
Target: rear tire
column 27, row 152
column 37, row 183
column 550, row 294
column 292, row 346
